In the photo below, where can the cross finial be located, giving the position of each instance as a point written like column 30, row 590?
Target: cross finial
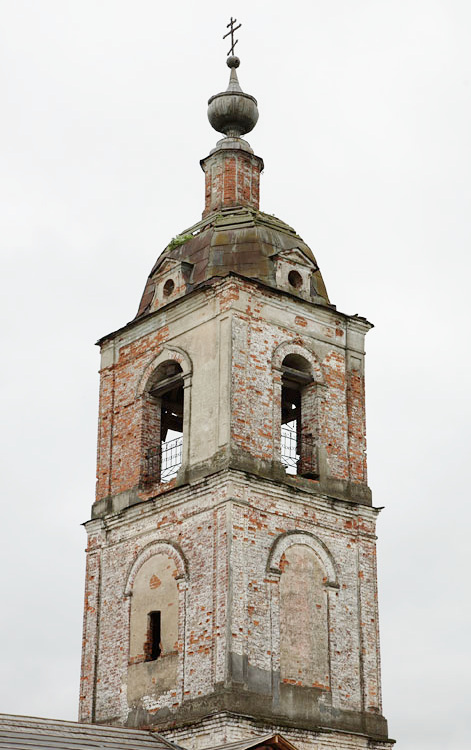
column 231, row 33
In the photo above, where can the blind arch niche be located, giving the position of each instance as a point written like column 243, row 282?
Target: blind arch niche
column 306, row 575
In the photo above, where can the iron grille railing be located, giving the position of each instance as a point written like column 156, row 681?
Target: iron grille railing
column 163, row 461
column 289, row 446
column 298, row 453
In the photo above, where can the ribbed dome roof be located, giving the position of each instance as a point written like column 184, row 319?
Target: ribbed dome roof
column 240, row 240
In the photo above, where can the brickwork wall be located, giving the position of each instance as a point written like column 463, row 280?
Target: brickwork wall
column 222, row 729
column 150, row 417
column 199, row 535
column 91, row 618
column 232, row 178
column 257, row 334
column 356, row 421
column 226, row 529
column 259, row 329
column 120, row 415
column 310, row 428
column 227, row 532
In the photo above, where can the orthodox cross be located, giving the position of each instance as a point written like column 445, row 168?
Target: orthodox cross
column 231, row 32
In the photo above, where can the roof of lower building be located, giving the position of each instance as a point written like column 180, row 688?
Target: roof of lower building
column 29, row 733
column 272, row 741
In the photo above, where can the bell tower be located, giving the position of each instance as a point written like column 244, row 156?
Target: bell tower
column 231, row 570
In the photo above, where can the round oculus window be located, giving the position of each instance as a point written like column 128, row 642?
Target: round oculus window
column 169, row 286
column 295, row 279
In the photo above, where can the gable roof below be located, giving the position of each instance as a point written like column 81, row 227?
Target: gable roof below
column 269, row 741
column 31, row 733
column 28, row 733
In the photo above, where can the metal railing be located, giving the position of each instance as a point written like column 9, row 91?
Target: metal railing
column 298, row 453
column 163, row 461
column 289, row 447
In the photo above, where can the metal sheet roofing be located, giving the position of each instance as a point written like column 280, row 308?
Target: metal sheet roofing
column 239, row 240
column 273, row 741
column 26, row 733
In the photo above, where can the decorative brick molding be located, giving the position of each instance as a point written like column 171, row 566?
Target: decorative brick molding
column 294, row 347
column 159, row 547
column 168, row 353
column 284, row 541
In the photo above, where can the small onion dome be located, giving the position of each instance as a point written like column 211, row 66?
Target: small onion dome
column 232, row 112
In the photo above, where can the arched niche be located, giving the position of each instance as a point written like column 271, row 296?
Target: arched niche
column 303, row 578
column 155, row 597
column 158, row 547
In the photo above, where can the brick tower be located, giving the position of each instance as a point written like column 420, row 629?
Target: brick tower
column 231, row 571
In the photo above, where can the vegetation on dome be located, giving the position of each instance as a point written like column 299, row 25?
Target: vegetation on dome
column 180, row 239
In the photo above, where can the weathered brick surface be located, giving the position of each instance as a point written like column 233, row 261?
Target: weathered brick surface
column 229, row 526
column 226, row 529
column 232, row 178
column 224, row 728
column 260, row 330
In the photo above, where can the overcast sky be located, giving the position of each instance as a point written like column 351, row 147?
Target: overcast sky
column 365, row 123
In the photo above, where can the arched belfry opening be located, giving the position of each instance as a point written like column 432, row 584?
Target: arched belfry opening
column 163, row 424
column 299, row 427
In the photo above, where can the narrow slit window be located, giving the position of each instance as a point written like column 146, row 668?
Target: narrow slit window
column 153, row 647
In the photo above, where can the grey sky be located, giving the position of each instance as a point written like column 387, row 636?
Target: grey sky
column 365, row 122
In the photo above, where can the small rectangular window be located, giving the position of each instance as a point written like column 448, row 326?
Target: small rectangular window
column 153, row 647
